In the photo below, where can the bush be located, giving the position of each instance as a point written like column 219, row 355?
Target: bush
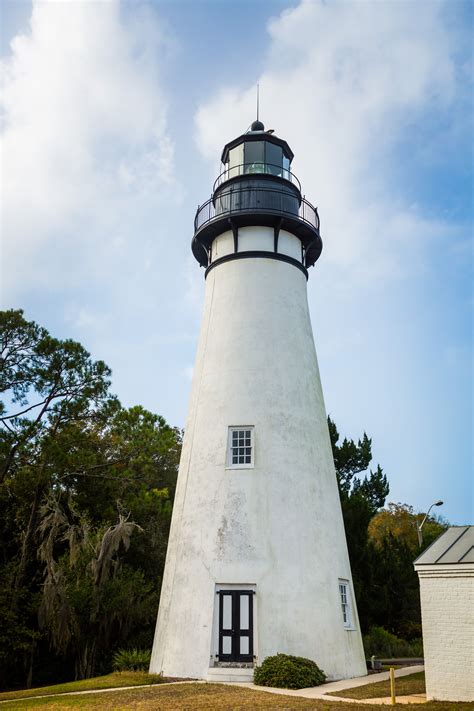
column 131, row 660
column 417, row 647
column 380, row 643
column 287, row 672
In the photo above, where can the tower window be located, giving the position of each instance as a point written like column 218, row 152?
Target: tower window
column 345, row 595
column 240, row 447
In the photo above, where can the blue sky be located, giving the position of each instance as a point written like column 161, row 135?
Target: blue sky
column 113, row 117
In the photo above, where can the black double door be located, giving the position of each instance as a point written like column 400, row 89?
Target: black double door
column 235, row 625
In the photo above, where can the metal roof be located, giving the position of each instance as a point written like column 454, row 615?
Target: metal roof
column 257, row 136
column 456, row 545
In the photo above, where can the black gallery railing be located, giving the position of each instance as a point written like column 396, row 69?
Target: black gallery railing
column 236, row 171
column 260, row 200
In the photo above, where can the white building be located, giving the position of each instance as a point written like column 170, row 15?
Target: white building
column 257, row 559
column 446, row 573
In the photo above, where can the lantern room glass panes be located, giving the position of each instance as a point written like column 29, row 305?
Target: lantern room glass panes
column 236, row 159
column 273, row 159
column 241, row 447
column 254, row 157
column 257, row 157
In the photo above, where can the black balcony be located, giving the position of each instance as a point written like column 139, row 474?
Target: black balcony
column 274, row 203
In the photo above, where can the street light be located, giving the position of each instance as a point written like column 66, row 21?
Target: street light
column 419, row 526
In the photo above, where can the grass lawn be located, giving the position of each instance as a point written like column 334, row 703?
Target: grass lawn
column 202, row 697
column 404, row 686
column 100, row 682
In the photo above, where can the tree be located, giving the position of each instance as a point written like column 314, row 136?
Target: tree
column 88, row 591
column 393, row 542
column 361, row 498
column 79, row 475
column 382, row 543
column 401, row 521
column 49, row 382
column 351, row 459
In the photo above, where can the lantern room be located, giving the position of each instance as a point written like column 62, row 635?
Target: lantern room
column 257, row 188
column 257, row 151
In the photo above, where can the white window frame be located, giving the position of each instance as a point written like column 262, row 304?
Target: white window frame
column 243, row 428
column 345, row 601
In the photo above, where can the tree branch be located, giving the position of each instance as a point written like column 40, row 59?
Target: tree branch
column 22, row 412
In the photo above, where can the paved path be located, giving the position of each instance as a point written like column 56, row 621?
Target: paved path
column 315, row 692
column 321, row 692
column 101, row 691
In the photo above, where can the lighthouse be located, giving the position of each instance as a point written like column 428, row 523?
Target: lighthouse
column 257, row 559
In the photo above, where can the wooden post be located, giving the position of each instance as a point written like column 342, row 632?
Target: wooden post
column 392, row 685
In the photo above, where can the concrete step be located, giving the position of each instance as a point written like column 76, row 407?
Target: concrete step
column 237, row 674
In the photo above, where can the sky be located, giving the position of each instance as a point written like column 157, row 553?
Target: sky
column 113, row 116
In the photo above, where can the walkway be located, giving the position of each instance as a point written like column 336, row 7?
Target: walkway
column 316, row 692
column 321, row 692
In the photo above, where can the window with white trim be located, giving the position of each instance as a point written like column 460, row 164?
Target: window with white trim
column 240, row 447
column 346, row 606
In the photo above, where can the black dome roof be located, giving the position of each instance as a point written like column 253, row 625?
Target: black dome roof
column 257, row 126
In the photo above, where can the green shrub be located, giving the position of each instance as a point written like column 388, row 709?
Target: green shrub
column 417, row 647
column 384, row 644
column 287, row 672
column 131, row 660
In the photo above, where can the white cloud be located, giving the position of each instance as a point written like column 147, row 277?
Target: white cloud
column 84, row 140
column 343, row 83
column 95, row 227
column 368, row 94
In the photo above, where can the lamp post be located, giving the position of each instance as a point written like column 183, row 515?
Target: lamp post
column 419, row 526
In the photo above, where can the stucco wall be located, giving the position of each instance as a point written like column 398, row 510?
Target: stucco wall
column 256, row 238
column 447, row 607
column 277, row 526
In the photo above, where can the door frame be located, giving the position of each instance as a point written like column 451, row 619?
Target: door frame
column 251, row 589
column 235, row 631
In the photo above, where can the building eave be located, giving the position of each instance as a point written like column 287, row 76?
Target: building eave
column 465, row 570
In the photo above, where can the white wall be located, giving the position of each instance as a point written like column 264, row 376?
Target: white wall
column 447, row 608
column 277, row 526
column 256, row 238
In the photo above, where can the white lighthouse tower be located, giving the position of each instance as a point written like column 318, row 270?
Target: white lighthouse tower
column 257, row 559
